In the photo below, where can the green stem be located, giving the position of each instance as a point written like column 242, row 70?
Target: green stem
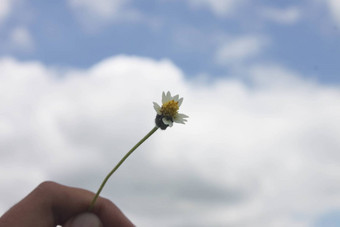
column 119, row 163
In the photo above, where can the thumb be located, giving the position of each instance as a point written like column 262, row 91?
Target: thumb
column 84, row 220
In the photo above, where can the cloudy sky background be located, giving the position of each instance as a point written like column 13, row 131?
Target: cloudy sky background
column 260, row 83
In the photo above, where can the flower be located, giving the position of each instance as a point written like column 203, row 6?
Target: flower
column 168, row 113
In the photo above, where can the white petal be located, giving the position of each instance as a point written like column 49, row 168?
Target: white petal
column 182, row 115
column 180, row 102
column 163, row 97
column 168, row 96
column 167, row 122
column 180, row 118
column 179, row 121
column 157, row 107
column 175, row 98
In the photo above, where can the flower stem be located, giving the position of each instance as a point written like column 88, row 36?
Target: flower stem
column 119, row 163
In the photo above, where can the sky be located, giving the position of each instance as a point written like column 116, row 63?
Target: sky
column 260, row 85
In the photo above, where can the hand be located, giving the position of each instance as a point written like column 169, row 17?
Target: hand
column 52, row 204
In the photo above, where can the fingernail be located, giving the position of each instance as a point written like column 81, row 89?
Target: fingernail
column 86, row 220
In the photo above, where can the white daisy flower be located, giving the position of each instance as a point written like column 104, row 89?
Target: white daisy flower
column 166, row 115
column 168, row 112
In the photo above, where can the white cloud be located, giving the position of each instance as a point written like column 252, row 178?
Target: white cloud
column 239, row 49
column 21, row 39
column 5, row 9
column 95, row 14
column 100, row 8
column 334, row 8
column 219, row 7
column 258, row 154
column 283, row 16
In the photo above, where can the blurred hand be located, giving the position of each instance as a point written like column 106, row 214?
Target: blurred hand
column 52, row 204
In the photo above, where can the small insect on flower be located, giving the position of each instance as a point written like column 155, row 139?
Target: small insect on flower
column 168, row 112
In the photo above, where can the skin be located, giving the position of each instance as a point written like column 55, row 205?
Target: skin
column 52, row 204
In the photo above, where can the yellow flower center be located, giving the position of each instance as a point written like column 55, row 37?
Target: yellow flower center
column 169, row 109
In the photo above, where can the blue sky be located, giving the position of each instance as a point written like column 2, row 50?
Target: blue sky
column 260, row 85
column 303, row 36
